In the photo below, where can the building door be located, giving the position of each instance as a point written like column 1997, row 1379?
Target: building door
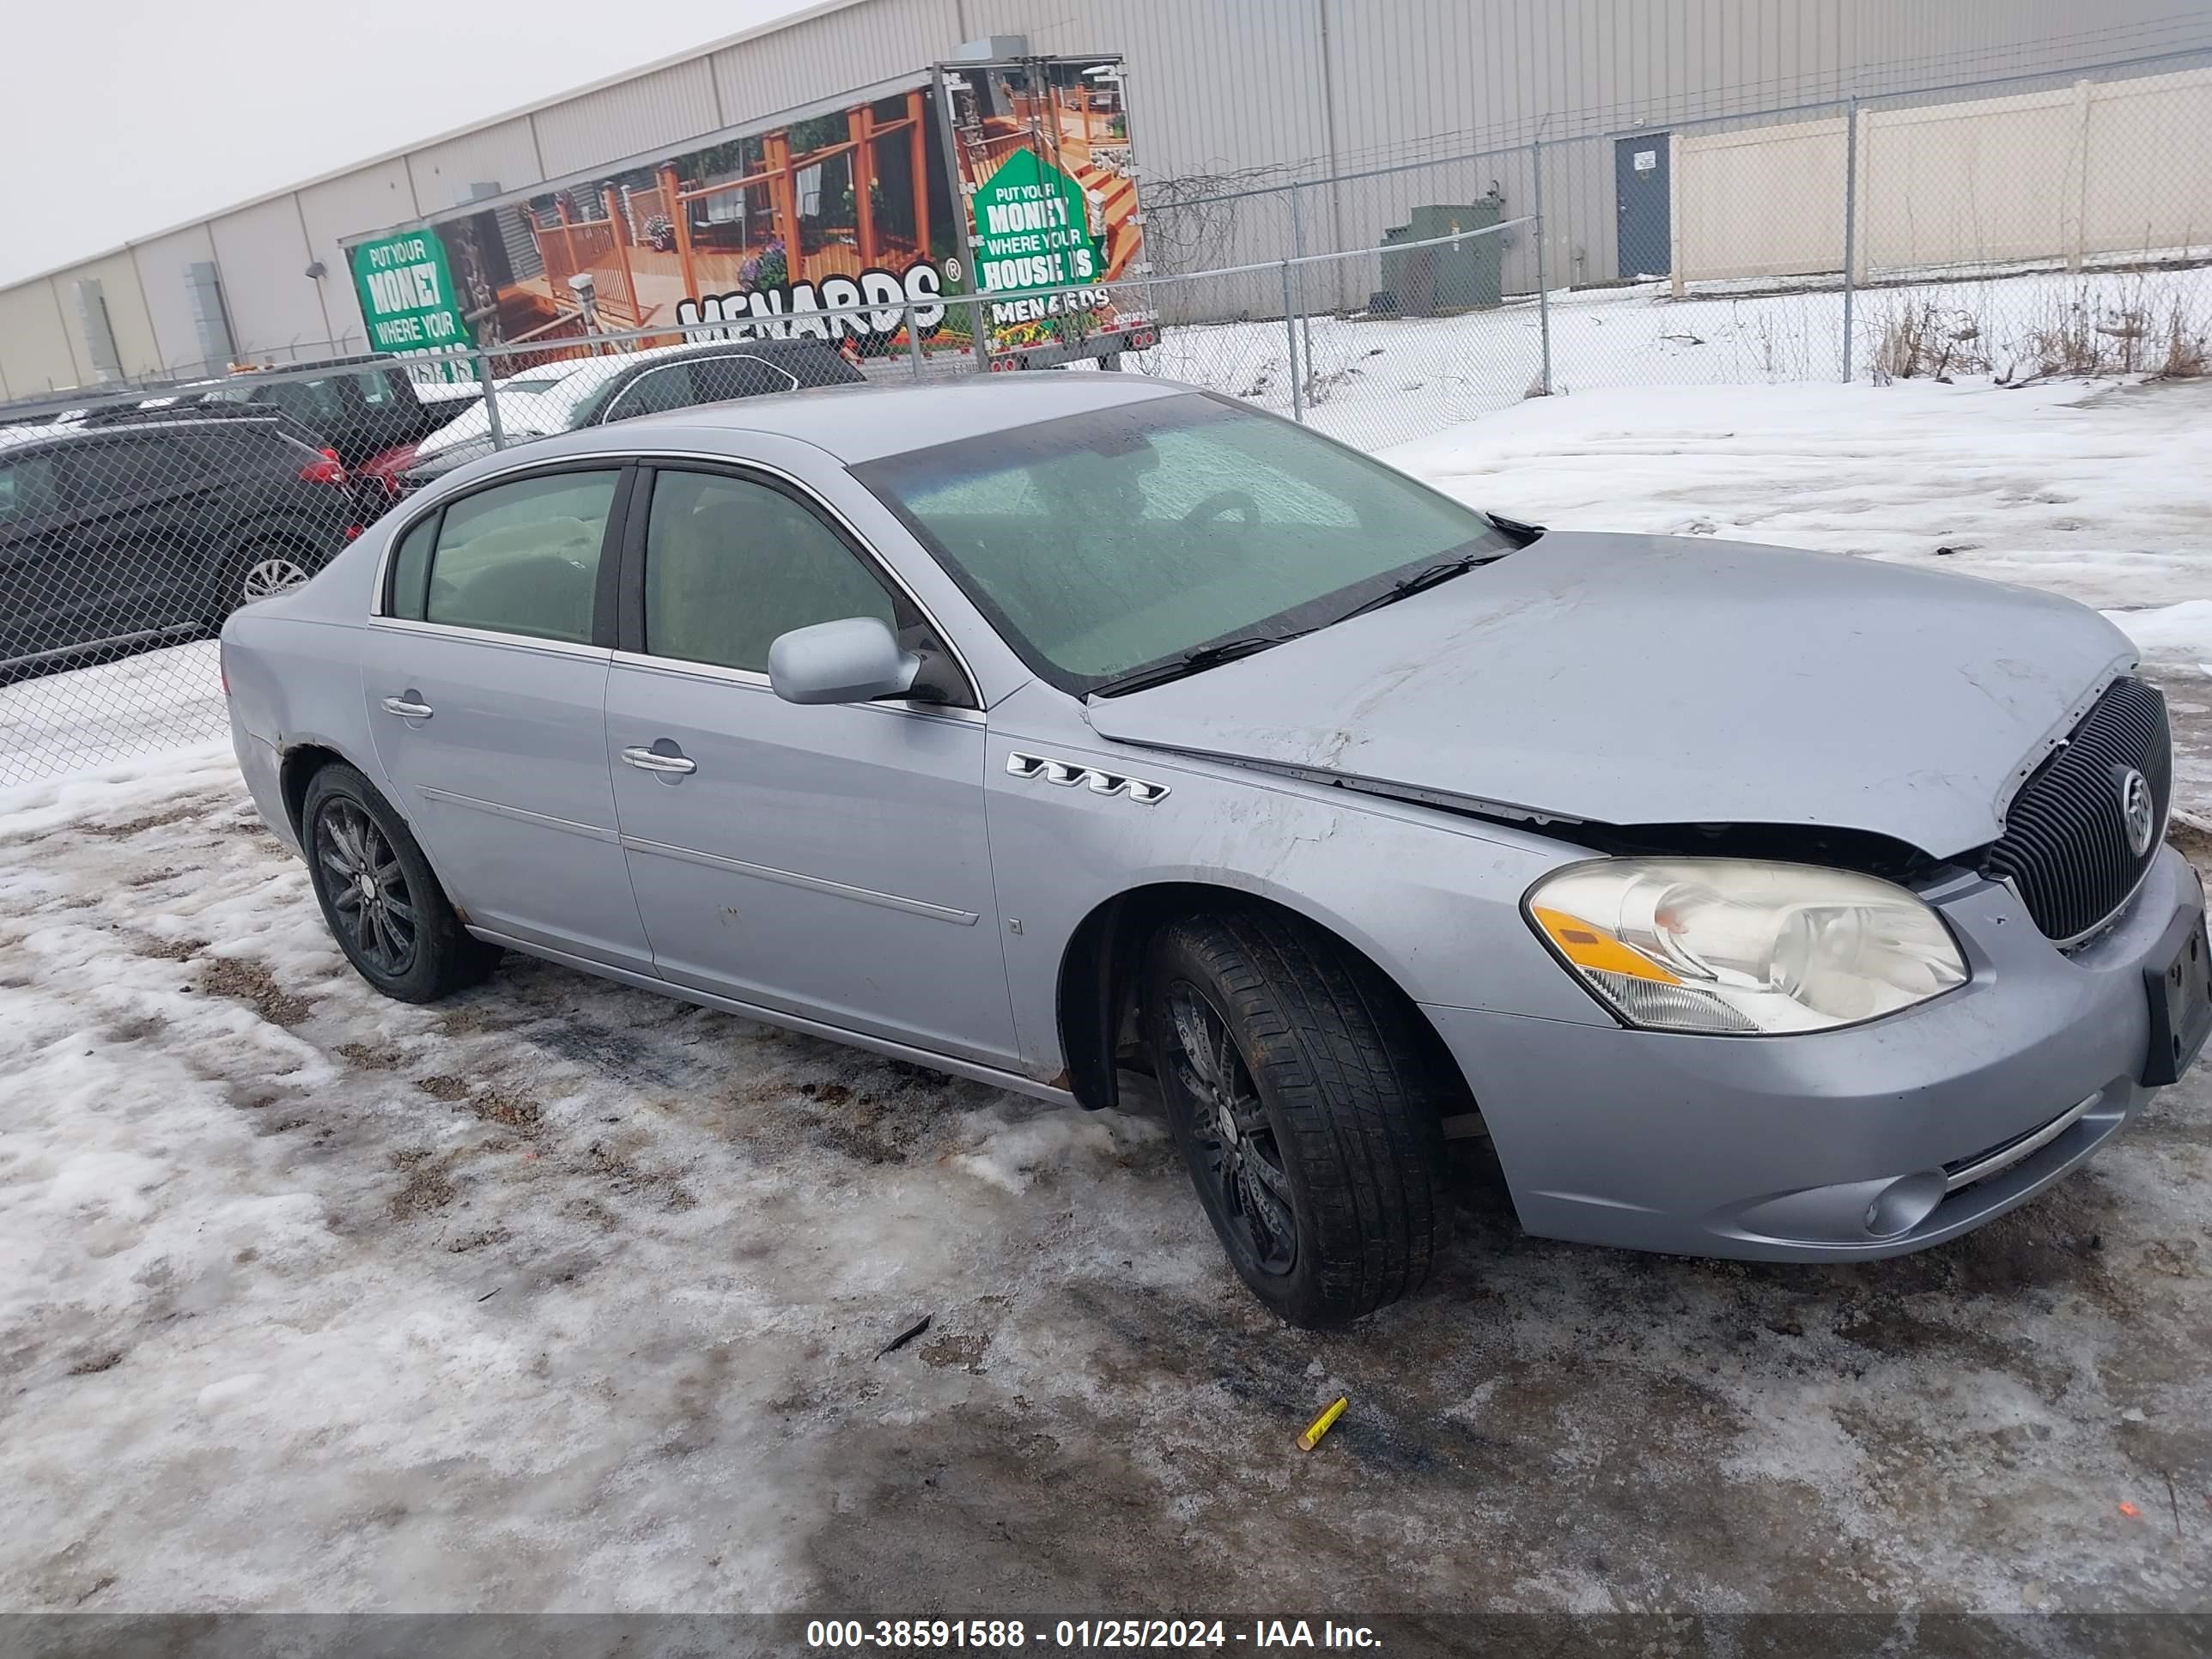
column 1639, row 189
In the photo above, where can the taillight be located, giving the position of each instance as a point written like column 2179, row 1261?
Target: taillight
column 323, row 469
column 352, row 532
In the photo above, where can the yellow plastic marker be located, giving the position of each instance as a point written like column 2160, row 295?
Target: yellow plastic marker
column 1311, row 1437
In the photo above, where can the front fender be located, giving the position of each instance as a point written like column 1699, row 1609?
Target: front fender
column 1431, row 898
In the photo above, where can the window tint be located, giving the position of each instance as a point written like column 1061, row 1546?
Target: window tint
column 730, row 564
column 410, row 570
column 523, row 558
column 1105, row 542
column 652, row 392
column 315, row 403
column 27, row 488
column 375, row 389
column 94, row 474
column 717, row 379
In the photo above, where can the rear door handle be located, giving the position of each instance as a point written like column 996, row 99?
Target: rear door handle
column 648, row 760
column 408, row 706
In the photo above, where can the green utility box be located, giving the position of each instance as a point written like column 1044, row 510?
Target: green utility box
column 1430, row 282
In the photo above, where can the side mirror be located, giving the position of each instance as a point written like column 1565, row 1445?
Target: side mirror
column 850, row 660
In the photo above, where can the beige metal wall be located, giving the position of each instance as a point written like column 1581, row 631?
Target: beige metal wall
column 1220, row 89
column 2075, row 174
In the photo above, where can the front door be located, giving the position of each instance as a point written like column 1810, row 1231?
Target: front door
column 825, row 861
column 485, row 684
column 1640, row 175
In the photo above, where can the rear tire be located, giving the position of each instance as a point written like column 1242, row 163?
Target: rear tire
column 379, row 897
column 1307, row 1103
column 256, row 572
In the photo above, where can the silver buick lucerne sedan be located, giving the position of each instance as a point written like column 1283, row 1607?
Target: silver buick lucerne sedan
column 1065, row 728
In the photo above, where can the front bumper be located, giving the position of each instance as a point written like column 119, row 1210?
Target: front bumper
column 1788, row 1148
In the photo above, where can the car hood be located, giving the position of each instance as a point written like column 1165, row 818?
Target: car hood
column 1655, row 679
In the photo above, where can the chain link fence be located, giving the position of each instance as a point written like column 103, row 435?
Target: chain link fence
column 2014, row 229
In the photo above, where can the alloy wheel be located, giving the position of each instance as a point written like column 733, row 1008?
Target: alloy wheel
column 369, row 891
column 1239, row 1157
column 273, row 574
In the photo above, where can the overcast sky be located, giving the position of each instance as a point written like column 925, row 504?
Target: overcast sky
column 121, row 118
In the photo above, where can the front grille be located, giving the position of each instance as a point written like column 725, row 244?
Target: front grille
column 2065, row 845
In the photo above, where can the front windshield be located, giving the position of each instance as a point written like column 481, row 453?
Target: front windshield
column 1106, row 542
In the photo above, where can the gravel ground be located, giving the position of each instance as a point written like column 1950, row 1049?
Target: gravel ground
column 565, row 1295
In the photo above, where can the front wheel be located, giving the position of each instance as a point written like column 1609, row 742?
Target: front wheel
column 1307, row 1107
column 384, row 906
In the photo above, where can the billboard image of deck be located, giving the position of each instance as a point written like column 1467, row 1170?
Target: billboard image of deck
column 980, row 180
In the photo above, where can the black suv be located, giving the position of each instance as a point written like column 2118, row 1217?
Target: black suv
column 360, row 407
column 111, row 538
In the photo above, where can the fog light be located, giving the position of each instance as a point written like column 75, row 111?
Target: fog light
column 1903, row 1204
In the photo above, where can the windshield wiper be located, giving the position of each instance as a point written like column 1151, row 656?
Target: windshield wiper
column 1194, row 661
column 1420, row 581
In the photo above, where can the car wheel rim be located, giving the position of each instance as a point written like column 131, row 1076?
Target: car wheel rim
column 369, row 897
column 267, row 576
column 1238, row 1158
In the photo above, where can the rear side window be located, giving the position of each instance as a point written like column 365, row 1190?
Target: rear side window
column 27, row 488
column 375, row 389
column 315, row 403
column 410, row 570
column 731, row 563
column 716, row 380
column 653, row 392
column 522, row 558
column 123, row 468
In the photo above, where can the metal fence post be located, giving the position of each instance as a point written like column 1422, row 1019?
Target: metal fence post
column 491, row 400
column 1291, row 340
column 1850, row 222
column 1299, row 248
column 1543, row 284
column 979, row 340
column 913, row 341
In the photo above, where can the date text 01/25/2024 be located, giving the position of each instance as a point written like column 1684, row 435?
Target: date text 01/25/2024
column 1254, row 1636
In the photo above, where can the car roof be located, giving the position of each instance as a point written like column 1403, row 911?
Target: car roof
column 26, row 437
column 859, row 423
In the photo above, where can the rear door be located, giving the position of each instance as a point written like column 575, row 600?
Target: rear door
column 825, row 861
column 146, row 516
column 486, row 678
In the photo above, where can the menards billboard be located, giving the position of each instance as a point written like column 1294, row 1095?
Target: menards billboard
column 762, row 233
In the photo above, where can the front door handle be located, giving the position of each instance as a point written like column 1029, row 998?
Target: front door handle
column 408, row 706
column 652, row 760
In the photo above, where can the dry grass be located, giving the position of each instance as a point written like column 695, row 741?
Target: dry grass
column 2124, row 324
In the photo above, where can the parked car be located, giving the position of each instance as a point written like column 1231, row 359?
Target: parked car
column 1749, row 902
column 361, row 407
column 567, row 396
column 120, row 535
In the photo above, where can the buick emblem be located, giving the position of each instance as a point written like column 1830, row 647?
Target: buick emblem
column 2137, row 811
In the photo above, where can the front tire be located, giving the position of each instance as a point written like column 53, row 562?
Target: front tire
column 379, row 898
column 1307, row 1107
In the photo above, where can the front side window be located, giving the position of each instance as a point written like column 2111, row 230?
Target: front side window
column 518, row 558
column 730, row 563
column 1103, row 543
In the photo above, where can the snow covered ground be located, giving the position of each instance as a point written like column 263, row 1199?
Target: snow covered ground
column 1377, row 382
column 565, row 1295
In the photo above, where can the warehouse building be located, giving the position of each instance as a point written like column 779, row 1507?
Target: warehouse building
column 1223, row 96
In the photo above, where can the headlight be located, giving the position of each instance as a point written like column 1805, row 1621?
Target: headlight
column 1737, row 946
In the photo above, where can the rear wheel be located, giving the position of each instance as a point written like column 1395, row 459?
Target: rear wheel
column 258, row 571
column 1307, row 1107
column 381, row 902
